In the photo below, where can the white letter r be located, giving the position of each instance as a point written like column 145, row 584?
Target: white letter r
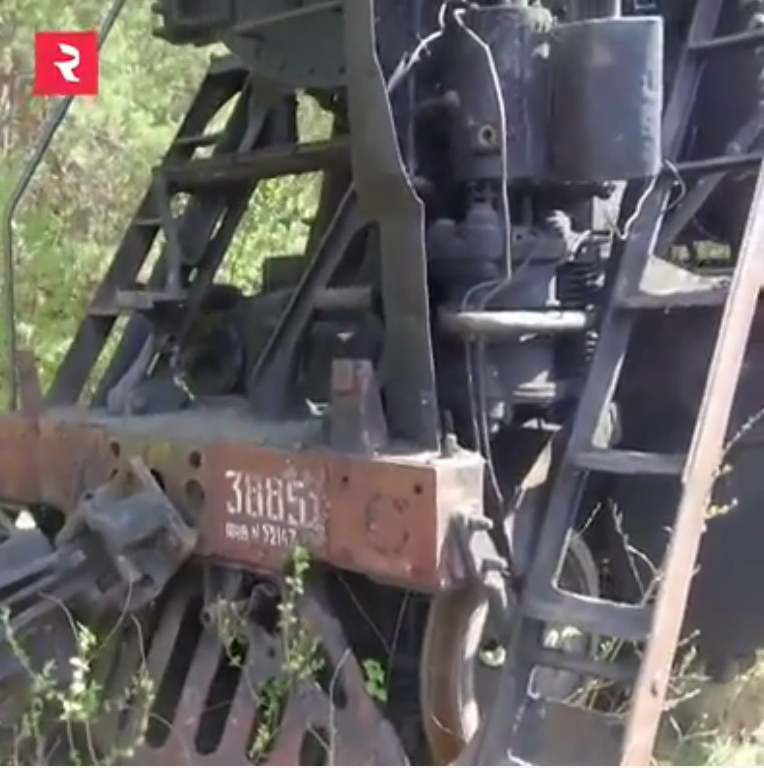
column 66, row 68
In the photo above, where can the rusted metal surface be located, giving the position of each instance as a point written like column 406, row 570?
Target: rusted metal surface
column 30, row 390
column 70, row 459
column 172, row 734
column 389, row 519
column 382, row 517
column 341, row 717
column 262, row 502
column 386, row 516
column 417, row 222
column 18, row 453
column 114, row 555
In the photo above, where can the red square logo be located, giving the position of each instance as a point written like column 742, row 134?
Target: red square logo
column 66, row 63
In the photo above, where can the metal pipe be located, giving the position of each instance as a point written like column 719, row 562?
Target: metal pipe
column 504, row 324
column 49, row 128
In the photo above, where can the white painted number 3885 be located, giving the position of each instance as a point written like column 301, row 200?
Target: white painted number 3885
column 286, row 499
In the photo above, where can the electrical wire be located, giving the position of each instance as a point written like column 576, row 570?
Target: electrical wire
column 625, row 233
column 475, row 354
column 479, row 400
column 681, row 183
column 410, row 61
column 501, row 106
column 475, row 367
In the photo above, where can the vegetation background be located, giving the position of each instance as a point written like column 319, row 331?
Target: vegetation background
column 89, row 183
column 92, row 178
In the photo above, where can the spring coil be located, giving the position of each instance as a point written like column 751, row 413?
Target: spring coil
column 579, row 286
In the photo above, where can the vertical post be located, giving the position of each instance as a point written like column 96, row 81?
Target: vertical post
column 386, row 195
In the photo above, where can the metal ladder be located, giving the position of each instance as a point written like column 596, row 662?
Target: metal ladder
column 257, row 143
column 556, row 733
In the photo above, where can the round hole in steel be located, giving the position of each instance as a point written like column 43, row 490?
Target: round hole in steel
column 157, row 475
column 195, row 494
column 487, row 135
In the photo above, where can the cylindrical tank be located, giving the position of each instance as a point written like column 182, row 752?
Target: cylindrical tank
column 606, row 99
column 517, row 38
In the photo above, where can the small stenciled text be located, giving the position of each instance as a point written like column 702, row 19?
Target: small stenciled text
column 276, row 510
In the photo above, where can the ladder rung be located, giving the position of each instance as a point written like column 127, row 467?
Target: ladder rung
column 667, row 285
column 621, row 462
column 194, row 23
column 138, row 300
column 147, row 221
column 259, row 164
column 198, row 140
column 721, row 164
column 102, row 310
column 682, row 299
column 253, row 26
column 739, row 40
column 555, row 658
column 146, row 299
column 588, row 614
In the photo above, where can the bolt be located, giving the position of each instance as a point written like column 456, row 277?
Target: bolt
column 452, row 99
column 450, row 444
column 493, row 565
column 138, row 402
column 487, row 136
column 478, row 524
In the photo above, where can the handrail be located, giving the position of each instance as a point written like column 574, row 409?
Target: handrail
column 48, row 131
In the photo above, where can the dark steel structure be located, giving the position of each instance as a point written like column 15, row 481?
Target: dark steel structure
column 491, row 398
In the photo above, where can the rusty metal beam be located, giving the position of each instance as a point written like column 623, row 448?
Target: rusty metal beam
column 386, row 516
